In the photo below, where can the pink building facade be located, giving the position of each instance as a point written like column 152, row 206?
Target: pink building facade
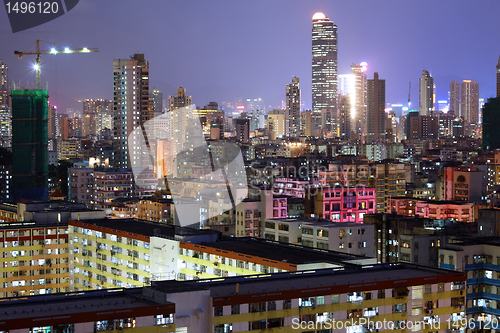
column 341, row 204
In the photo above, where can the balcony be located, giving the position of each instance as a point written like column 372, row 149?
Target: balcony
column 481, row 266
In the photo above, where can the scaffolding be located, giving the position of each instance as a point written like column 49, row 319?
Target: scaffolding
column 29, row 144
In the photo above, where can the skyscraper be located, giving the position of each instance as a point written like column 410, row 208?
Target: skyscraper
column 375, row 109
column 324, row 72
column 5, row 127
column 5, row 112
column 52, row 119
column 293, row 107
column 157, row 97
column 29, row 144
column 306, row 122
column 491, row 124
column 102, row 114
column 358, row 101
column 345, row 117
column 4, row 85
column 242, row 130
column 131, row 107
column 179, row 101
column 180, row 120
column 426, row 94
column 455, row 97
column 470, row 102
column 498, row 78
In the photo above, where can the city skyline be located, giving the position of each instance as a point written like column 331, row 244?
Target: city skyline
column 220, row 76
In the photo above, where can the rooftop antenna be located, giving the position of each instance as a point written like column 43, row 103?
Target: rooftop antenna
column 409, row 100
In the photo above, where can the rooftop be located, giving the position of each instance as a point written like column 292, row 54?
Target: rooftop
column 327, row 277
column 316, row 221
column 146, row 228
column 290, row 253
column 73, row 307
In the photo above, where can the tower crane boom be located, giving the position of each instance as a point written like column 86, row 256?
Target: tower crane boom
column 53, row 51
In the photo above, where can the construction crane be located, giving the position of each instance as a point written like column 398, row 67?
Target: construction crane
column 53, row 51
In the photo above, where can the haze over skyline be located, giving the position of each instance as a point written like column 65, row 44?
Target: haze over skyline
column 222, row 50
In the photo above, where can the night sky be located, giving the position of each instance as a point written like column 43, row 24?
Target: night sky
column 224, row 50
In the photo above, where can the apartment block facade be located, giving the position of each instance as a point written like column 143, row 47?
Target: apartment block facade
column 35, row 259
column 432, row 299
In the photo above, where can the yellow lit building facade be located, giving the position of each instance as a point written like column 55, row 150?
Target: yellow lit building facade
column 35, row 259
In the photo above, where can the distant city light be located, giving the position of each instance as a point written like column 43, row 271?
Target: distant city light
column 364, row 66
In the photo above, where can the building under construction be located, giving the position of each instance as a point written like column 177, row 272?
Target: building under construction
column 29, row 144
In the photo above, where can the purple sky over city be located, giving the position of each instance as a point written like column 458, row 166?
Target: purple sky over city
column 224, row 50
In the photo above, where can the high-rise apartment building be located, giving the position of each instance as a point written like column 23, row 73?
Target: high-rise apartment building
column 358, row 99
column 5, row 112
column 375, row 109
column 4, row 85
column 5, row 126
column 180, row 120
column 498, row 78
column 324, row 72
column 293, row 107
column 97, row 115
column 62, row 126
column 52, row 128
column 491, row 124
column 277, row 124
column 179, row 101
column 131, row 107
column 345, row 117
column 75, row 126
column 242, row 126
column 157, row 98
column 424, row 127
column 426, row 94
column 29, row 144
column 470, row 102
column 306, row 122
column 455, row 97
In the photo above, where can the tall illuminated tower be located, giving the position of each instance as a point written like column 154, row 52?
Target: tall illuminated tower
column 358, row 100
column 324, row 73
column 469, row 103
column 130, row 107
column 293, row 107
column 426, row 94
